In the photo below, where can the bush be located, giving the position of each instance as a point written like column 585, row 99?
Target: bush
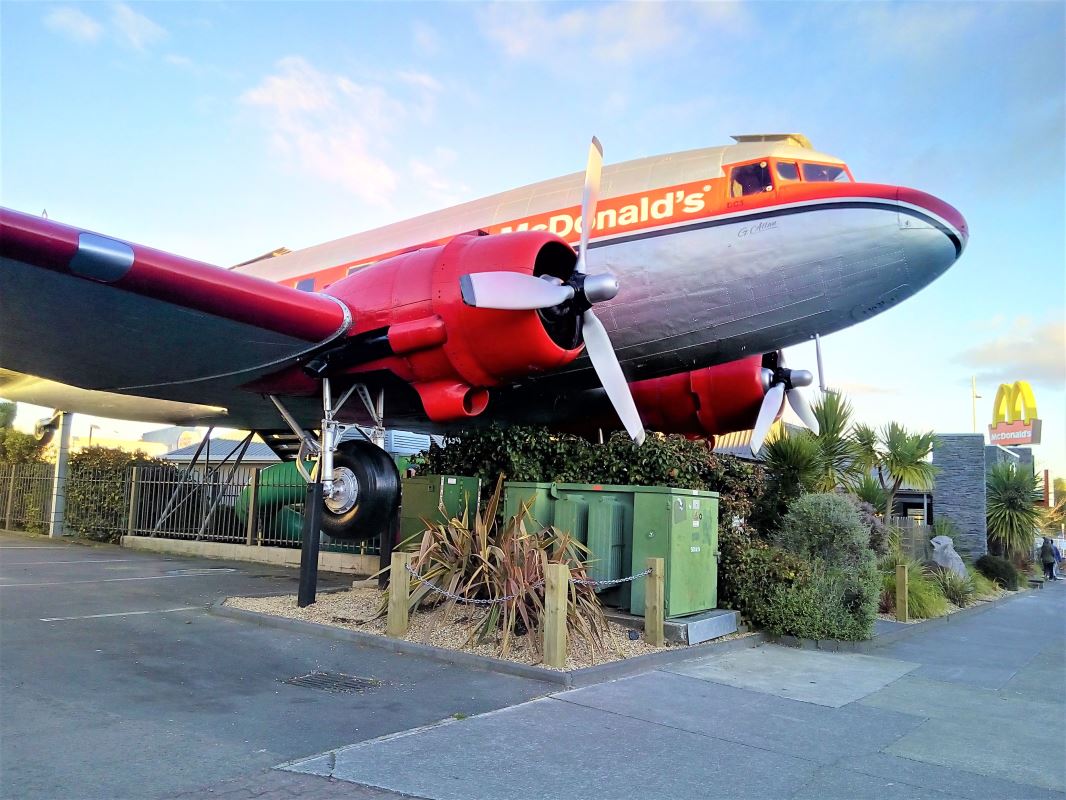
column 983, row 588
column 827, row 528
column 999, row 570
column 958, row 589
column 873, row 522
column 749, row 574
column 833, row 604
column 97, row 491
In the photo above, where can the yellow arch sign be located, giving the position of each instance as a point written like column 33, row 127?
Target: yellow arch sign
column 1014, row 402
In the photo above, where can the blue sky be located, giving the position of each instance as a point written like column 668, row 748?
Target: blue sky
column 223, row 130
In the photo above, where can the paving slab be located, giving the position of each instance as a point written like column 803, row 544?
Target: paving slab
column 828, row 679
column 804, row 730
column 941, row 700
column 844, row 784
column 1022, row 752
column 553, row 750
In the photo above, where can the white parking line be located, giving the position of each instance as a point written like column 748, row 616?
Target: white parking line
column 36, row 547
column 121, row 614
column 90, row 561
column 101, row 580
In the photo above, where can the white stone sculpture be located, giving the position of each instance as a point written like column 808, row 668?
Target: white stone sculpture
column 944, row 554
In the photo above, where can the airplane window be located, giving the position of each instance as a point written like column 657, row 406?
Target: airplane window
column 306, row 285
column 787, row 171
column 751, row 179
column 825, row 172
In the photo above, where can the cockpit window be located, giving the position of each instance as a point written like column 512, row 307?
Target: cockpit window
column 825, row 172
column 787, row 171
column 751, row 179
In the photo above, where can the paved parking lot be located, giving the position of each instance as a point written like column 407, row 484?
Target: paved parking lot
column 116, row 683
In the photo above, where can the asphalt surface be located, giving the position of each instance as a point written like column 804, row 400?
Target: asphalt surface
column 116, row 683
column 157, row 702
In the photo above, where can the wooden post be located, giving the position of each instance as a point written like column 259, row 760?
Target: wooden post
column 653, row 603
column 399, row 594
column 10, row 498
column 135, row 500
column 902, row 612
column 556, row 588
column 253, row 509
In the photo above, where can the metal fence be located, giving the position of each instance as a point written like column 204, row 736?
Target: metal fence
column 166, row 502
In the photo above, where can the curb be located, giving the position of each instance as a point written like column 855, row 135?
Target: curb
column 871, row 645
column 569, row 679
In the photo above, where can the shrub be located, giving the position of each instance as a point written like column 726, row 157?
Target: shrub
column 832, row 604
column 97, row 491
column 983, row 588
column 750, row 573
column 873, row 522
column 484, row 560
column 999, row 570
column 958, row 589
column 1012, row 512
column 828, row 528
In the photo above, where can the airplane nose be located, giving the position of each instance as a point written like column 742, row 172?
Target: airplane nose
column 949, row 217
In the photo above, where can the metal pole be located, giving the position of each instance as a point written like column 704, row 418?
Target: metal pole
column 253, row 507
column 309, row 546
column 59, row 485
column 10, row 498
column 818, row 356
column 135, row 500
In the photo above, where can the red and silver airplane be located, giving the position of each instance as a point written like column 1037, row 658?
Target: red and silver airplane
column 701, row 267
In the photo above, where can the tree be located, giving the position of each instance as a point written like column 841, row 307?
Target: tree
column 19, row 448
column 837, row 454
column 7, row 414
column 1012, row 514
column 897, row 456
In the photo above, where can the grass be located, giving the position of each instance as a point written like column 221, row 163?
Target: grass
column 924, row 598
column 984, row 589
column 958, row 589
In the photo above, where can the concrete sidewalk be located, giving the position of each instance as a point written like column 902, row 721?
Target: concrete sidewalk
column 972, row 710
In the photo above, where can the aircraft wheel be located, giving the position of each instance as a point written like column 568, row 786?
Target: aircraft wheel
column 367, row 493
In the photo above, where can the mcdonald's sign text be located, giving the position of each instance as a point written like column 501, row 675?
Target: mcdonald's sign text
column 1014, row 419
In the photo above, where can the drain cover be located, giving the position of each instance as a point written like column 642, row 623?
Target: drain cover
column 336, row 682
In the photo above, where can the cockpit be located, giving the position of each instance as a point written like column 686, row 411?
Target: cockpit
column 762, row 176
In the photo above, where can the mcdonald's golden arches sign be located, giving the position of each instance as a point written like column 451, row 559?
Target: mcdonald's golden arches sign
column 1014, row 419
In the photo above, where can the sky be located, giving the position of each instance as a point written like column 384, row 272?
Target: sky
column 223, row 130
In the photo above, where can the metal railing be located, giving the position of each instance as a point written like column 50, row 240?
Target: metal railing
column 166, row 502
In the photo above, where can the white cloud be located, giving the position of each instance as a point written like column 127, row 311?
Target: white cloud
column 614, row 33
column 73, row 23
column 134, row 29
column 330, row 126
column 1028, row 352
column 428, row 174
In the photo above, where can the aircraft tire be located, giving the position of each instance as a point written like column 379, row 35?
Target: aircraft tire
column 370, row 510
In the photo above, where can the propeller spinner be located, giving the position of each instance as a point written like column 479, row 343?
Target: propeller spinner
column 517, row 291
column 782, row 383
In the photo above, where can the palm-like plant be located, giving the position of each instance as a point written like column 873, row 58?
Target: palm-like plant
column 836, row 449
column 869, row 490
column 1012, row 514
column 897, row 456
column 794, row 462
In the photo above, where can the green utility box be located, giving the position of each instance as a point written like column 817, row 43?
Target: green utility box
column 623, row 526
column 423, row 498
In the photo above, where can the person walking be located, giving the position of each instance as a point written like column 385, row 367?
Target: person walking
column 1058, row 560
column 1047, row 558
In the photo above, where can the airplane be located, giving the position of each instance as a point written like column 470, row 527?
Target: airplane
column 670, row 309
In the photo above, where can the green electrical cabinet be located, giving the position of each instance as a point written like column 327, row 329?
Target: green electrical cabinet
column 623, row 526
column 423, row 497
column 679, row 526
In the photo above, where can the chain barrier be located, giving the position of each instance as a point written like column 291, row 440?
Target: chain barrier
column 612, row 581
column 472, row 601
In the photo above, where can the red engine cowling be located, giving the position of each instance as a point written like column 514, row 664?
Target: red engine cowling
column 705, row 402
column 448, row 351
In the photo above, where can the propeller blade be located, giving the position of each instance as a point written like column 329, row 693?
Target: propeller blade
column 511, row 291
column 609, row 371
column 802, row 406
column 768, row 411
column 590, row 198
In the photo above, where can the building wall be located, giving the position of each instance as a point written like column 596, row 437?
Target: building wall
column 960, row 488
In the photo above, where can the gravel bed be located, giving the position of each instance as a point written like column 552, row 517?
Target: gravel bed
column 447, row 625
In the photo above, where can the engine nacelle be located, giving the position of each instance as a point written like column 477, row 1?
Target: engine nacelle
column 705, row 402
column 410, row 319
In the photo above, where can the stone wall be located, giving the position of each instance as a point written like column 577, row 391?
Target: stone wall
column 959, row 492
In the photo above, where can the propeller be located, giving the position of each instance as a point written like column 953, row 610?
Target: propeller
column 517, row 291
column 781, row 384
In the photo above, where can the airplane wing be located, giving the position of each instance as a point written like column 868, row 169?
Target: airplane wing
column 90, row 311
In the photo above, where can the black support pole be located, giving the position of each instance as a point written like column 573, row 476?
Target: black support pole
column 309, row 547
column 388, row 543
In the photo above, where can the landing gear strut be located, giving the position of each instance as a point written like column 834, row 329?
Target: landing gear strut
column 353, row 491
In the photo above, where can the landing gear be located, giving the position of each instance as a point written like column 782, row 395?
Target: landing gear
column 366, row 492
column 353, row 492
